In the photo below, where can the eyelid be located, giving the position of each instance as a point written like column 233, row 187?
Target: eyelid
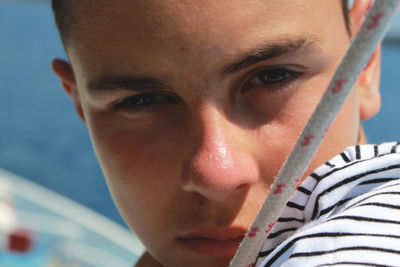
column 123, row 95
column 119, row 105
column 289, row 67
column 297, row 70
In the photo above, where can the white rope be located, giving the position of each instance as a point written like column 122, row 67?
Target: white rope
column 357, row 57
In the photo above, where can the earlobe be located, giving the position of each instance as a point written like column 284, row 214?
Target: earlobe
column 64, row 71
column 368, row 83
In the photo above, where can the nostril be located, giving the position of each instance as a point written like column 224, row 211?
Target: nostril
column 206, row 180
column 216, row 177
column 242, row 188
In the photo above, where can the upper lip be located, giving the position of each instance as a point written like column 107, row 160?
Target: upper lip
column 215, row 233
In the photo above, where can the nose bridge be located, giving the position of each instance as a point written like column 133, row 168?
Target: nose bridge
column 213, row 140
column 217, row 166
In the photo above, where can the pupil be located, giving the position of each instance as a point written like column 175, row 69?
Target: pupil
column 145, row 99
column 273, row 76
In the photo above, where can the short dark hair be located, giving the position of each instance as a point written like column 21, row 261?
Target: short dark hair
column 63, row 17
column 63, row 14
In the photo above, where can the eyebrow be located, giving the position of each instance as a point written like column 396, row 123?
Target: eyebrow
column 287, row 47
column 129, row 83
column 265, row 52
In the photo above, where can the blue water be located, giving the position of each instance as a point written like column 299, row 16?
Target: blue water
column 43, row 140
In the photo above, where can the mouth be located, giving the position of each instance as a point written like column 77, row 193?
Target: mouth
column 211, row 242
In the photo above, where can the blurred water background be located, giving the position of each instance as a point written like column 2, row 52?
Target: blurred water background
column 41, row 137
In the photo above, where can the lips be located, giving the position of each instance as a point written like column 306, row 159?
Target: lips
column 213, row 242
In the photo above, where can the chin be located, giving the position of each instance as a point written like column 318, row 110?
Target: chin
column 190, row 259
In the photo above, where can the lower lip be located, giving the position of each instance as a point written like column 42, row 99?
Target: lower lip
column 213, row 247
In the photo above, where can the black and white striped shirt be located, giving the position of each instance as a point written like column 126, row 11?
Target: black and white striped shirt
column 346, row 213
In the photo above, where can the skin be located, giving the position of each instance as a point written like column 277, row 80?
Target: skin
column 195, row 164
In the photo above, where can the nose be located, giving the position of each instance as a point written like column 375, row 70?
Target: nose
column 220, row 164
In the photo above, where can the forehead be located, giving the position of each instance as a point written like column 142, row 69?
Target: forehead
column 161, row 17
column 149, row 30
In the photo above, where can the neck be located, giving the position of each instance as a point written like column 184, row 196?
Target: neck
column 146, row 260
column 362, row 139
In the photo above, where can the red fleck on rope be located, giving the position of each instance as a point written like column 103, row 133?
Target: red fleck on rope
column 357, row 57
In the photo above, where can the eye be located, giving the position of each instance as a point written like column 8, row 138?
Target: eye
column 145, row 102
column 272, row 78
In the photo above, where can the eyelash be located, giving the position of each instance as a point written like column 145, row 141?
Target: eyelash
column 275, row 84
column 145, row 102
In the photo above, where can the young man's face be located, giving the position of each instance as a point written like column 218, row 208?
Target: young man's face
column 193, row 106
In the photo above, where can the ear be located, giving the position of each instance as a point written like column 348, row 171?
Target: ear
column 368, row 86
column 368, row 82
column 64, row 71
column 357, row 14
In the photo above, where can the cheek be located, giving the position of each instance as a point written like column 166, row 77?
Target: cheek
column 345, row 128
column 140, row 167
column 133, row 156
column 342, row 133
column 278, row 137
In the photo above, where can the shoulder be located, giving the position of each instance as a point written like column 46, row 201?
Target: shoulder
column 350, row 212
column 351, row 176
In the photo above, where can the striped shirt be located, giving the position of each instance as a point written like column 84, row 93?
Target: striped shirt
column 346, row 213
